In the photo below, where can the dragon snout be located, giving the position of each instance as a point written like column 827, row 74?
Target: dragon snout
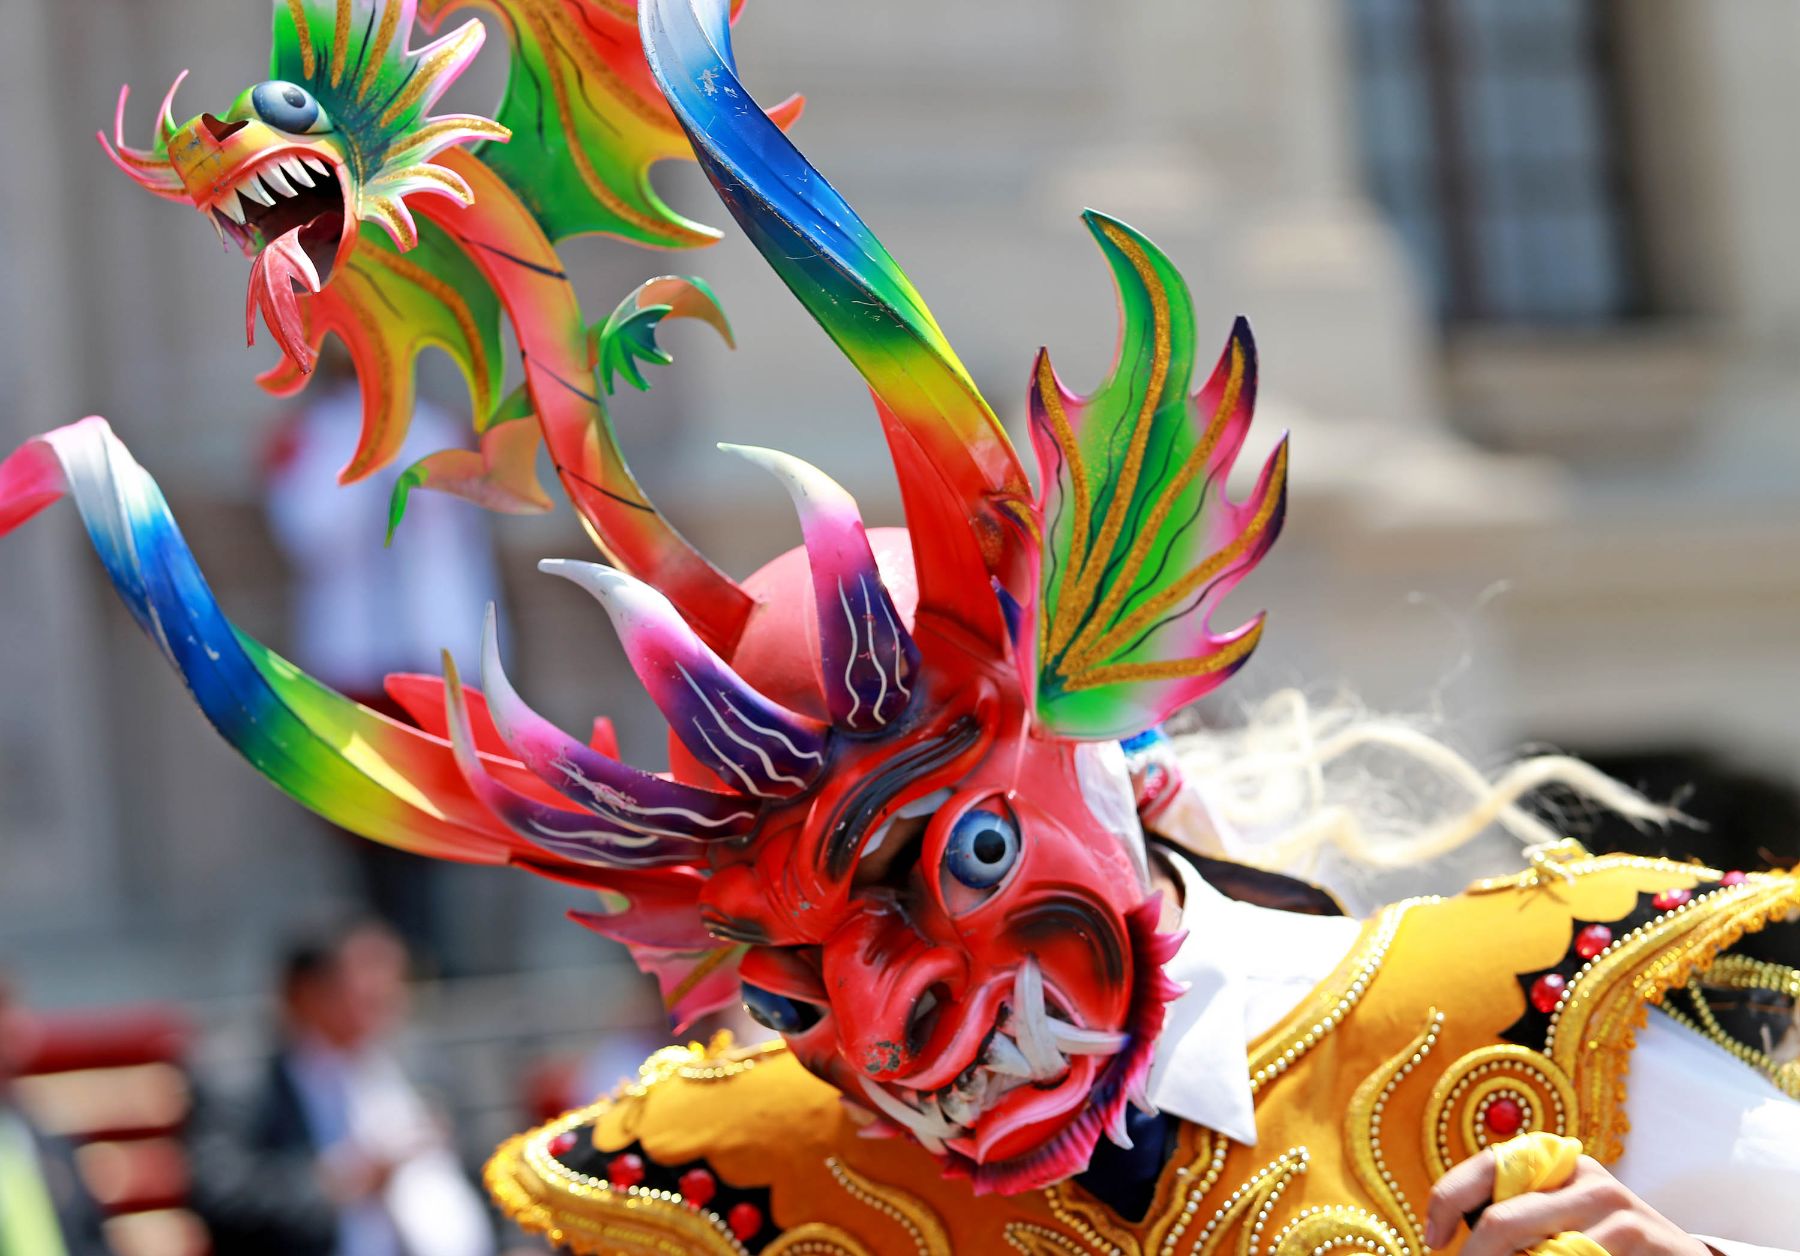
column 220, row 129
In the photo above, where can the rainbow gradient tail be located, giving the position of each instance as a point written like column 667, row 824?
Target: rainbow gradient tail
column 394, row 783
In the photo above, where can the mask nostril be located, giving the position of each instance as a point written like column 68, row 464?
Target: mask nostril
column 924, row 1019
column 219, row 129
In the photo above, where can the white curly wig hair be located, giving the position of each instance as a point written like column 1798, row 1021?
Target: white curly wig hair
column 1370, row 807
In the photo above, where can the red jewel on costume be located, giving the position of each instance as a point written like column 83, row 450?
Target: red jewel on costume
column 1592, row 940
column 1668, row 900
column 745, row 1220
column 697, row 1186
column 563, row 1143
column 1503, row 1117
column 625, row 1170
column 1547, row 991
column 1733, row 877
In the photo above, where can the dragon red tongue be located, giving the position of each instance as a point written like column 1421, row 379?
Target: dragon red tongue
column 273, row 275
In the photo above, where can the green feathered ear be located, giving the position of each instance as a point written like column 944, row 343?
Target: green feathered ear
column 377, row 95
column 1139, row 541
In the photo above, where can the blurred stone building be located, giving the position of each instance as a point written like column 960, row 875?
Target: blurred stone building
column 1523, row 273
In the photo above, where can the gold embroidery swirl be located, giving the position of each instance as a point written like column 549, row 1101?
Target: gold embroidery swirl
column 914, row 1215
column 1363, row 1134
column 1314, row 1231
column 1454, row 1129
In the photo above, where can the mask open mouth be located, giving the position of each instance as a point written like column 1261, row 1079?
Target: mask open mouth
column 1033, row 1064
column 1033, row 1068
column 288, row 212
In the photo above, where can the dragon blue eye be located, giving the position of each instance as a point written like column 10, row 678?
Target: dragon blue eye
column 287, row 107
column 778, row 1012
column 982, row 849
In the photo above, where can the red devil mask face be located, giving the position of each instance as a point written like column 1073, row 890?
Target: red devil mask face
column 953, row 928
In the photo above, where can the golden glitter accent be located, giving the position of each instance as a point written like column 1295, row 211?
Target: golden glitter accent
column 462, row 125
column 1051, row 397
column 392, row 215
column 374, row 56
column 1086, row 647
column 309, row 61
column 542, row 19
column 551, row 27
column 1174, row 669
column 430, row 69
column 340, row 42
column 452, row 300
column 1071, row 605
column 1153, row 608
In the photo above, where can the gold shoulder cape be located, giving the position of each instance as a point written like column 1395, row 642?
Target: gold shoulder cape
column 1512, row 1006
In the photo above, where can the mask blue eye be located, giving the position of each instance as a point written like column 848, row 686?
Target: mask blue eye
column 982, row 849
column 778, row 1012
column 288, row 107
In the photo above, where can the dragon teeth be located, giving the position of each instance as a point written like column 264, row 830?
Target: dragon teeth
column 1004, row 1057
column 1073, row 1040
column 254, row 190
column 317, row 165
column 296, row 172
column 959, row 1108
column 277, row 181
column 230, row 206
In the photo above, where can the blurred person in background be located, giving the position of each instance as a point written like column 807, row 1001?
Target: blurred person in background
column 336, row 1153
column 45, row 1210
column 361, row 610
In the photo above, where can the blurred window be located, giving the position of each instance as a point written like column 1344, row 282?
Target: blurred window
column 1491, row 138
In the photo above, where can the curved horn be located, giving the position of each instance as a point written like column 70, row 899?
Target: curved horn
column 149, row 167
column 574, row 835
column 868, row 658
column 636, row 800
column 751, row 743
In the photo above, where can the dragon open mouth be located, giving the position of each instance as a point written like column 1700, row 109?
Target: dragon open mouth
column 286, row 210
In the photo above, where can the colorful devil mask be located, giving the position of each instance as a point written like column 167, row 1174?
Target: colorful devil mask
column 897, row 822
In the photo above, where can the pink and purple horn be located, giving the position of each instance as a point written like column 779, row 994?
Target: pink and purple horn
column 754, row 745
column 868, row 659
column 576, row 835
column 636, row 800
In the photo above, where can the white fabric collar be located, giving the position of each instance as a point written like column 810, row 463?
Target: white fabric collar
column 1243, row 967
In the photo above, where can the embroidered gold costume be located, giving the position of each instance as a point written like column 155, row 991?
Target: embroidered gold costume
column 1452, row 1022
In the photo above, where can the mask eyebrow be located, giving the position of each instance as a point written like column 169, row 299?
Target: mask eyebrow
column 850, row 821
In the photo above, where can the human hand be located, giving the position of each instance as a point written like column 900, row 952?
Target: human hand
column 1593, row 1202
